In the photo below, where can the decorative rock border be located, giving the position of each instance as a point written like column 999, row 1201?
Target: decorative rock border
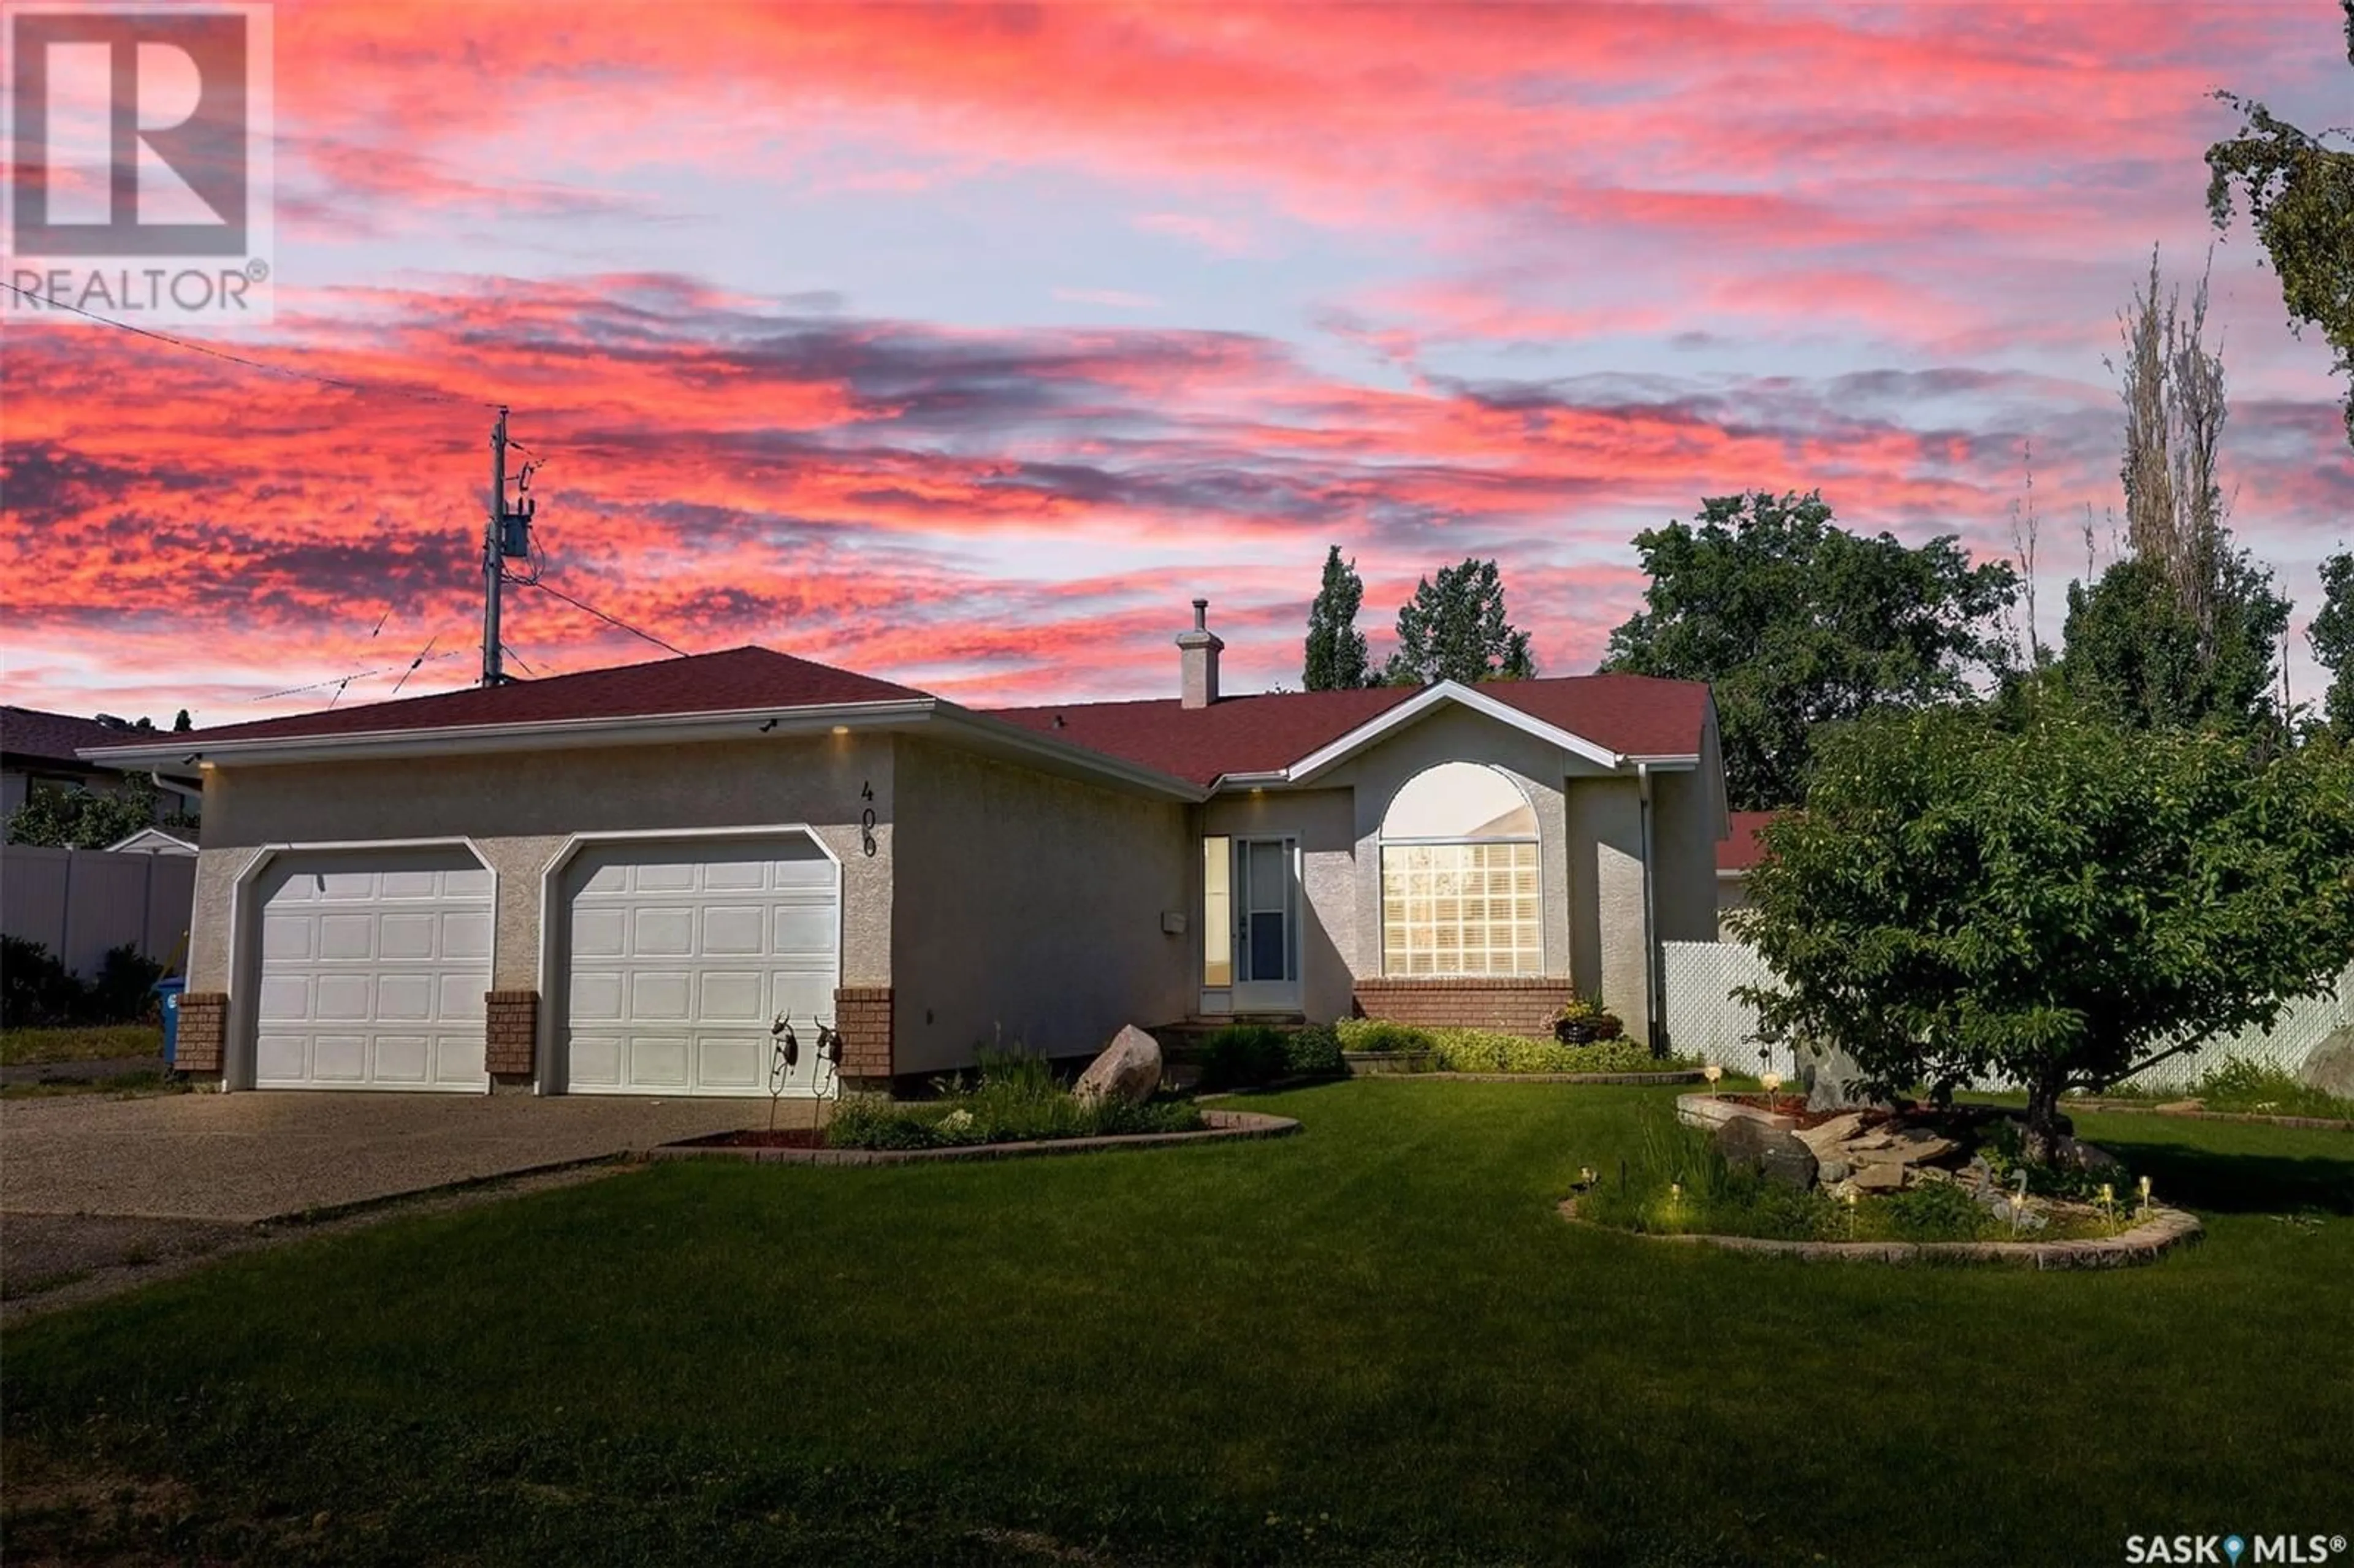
column 2139, row 1107
column 2167, row 1229
column 1682, row 1075
column 1225, row 1125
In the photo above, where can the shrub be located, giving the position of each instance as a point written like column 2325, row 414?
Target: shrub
column 1938, row 1211
column 1485, row 1050
column 35, row 987
column 1313, row 1052
column 1015, row 1099
column 1380, row 1034
column 1241, row 1054
column 124, row 990
column 2244, row 1086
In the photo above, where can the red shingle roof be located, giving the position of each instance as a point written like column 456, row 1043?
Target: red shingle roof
column 1631, row 715
column 55, row 737
column 1742, row 848
column 741, row 678
column 1636, row 716
column 1233, row 735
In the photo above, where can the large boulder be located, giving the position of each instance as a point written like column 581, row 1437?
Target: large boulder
column 2330, row 1068
column 1833, row 1080
column 1770, row 1152
column 1129, row 1069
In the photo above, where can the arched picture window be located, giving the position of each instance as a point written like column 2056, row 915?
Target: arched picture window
column 1459, row 876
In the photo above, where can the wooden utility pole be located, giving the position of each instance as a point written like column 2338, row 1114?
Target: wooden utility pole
column 494, row 552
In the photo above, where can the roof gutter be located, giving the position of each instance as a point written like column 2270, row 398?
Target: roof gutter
column 648, row 729
column 551, row 734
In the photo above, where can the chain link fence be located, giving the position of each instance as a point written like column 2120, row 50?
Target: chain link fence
column 1705, row 1020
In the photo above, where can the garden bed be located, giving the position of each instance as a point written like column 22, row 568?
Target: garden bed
column 781, row 1147
column 2146, row 1241
column 2199, row 1113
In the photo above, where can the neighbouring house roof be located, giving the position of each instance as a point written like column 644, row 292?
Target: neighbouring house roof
column 151, row 841
column 738, row 680
column 1632, row 716
column 27, row 735
column 1742, row 848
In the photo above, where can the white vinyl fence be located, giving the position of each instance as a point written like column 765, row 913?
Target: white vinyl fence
column 80, row 902
column 1704, row 1020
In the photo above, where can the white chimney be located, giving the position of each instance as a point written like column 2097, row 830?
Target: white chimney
column 1197, row 660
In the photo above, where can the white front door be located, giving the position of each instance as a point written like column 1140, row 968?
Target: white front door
column 374, row 963
column 681, row 954
column 1267, row 926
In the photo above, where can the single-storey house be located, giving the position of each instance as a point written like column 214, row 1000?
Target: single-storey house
column 42, row 752
column 618, row 882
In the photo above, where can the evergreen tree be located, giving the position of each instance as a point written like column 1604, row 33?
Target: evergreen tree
column 1336, row 648
column 1455, row 630
column 183, row 724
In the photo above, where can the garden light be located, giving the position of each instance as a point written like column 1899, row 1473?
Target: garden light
column 1773, row 1082
column 1711, row 1072
column 2145, row 1192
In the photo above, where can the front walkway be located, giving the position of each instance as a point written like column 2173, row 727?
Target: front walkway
column 265, row 1154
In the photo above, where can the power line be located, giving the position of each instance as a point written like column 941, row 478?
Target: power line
column 610, row 620
column 285, row 370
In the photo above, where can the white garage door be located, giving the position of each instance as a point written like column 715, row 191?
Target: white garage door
column 373, row 968
column 680, row 955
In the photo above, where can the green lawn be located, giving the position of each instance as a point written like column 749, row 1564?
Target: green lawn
column 1376, row 1342
column 102, row 1042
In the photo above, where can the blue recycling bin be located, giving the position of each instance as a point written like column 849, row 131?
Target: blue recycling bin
column 168, row 990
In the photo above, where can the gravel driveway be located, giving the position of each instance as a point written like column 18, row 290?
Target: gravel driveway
column 242, row 1158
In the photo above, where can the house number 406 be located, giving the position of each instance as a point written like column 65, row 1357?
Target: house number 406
column 866, row 818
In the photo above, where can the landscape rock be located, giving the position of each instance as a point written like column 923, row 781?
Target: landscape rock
column 1129, row 1069
column 1882, row 1178
column 1832, row 1170
column 1833, row 1080
column 2082, row 1156
column 2330, row 1068
column 1771, row 1151
column 1917, row 1146
column 1832, row 1133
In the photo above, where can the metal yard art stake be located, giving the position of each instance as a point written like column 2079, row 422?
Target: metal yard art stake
column 783, row 1057
column 827, row 1072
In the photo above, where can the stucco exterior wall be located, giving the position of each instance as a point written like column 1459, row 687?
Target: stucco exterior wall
column 1685, row 822
column 520, row 807
column 1029, row 910
column 1332, row 939
column 1604, row 835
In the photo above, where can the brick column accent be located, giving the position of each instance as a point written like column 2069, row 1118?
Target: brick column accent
column 1510, row 1005
column 511, row 1033
column 203, row 1032
column 862, row 1014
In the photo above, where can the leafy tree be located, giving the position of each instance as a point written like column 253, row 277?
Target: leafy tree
column 1797, row 621
column 1336, row 648
column 86, row 819
column 2332, row 638
column 2181, row 632
column 182, row 724
column 1455, row 630
column 2133, row 651
column 2060, row 903
column 2300, row 195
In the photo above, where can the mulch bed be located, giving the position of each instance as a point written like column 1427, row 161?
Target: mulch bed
column 759, row 1137
column 1224, row 1125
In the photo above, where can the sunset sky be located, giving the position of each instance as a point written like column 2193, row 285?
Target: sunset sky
column 963, row 347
